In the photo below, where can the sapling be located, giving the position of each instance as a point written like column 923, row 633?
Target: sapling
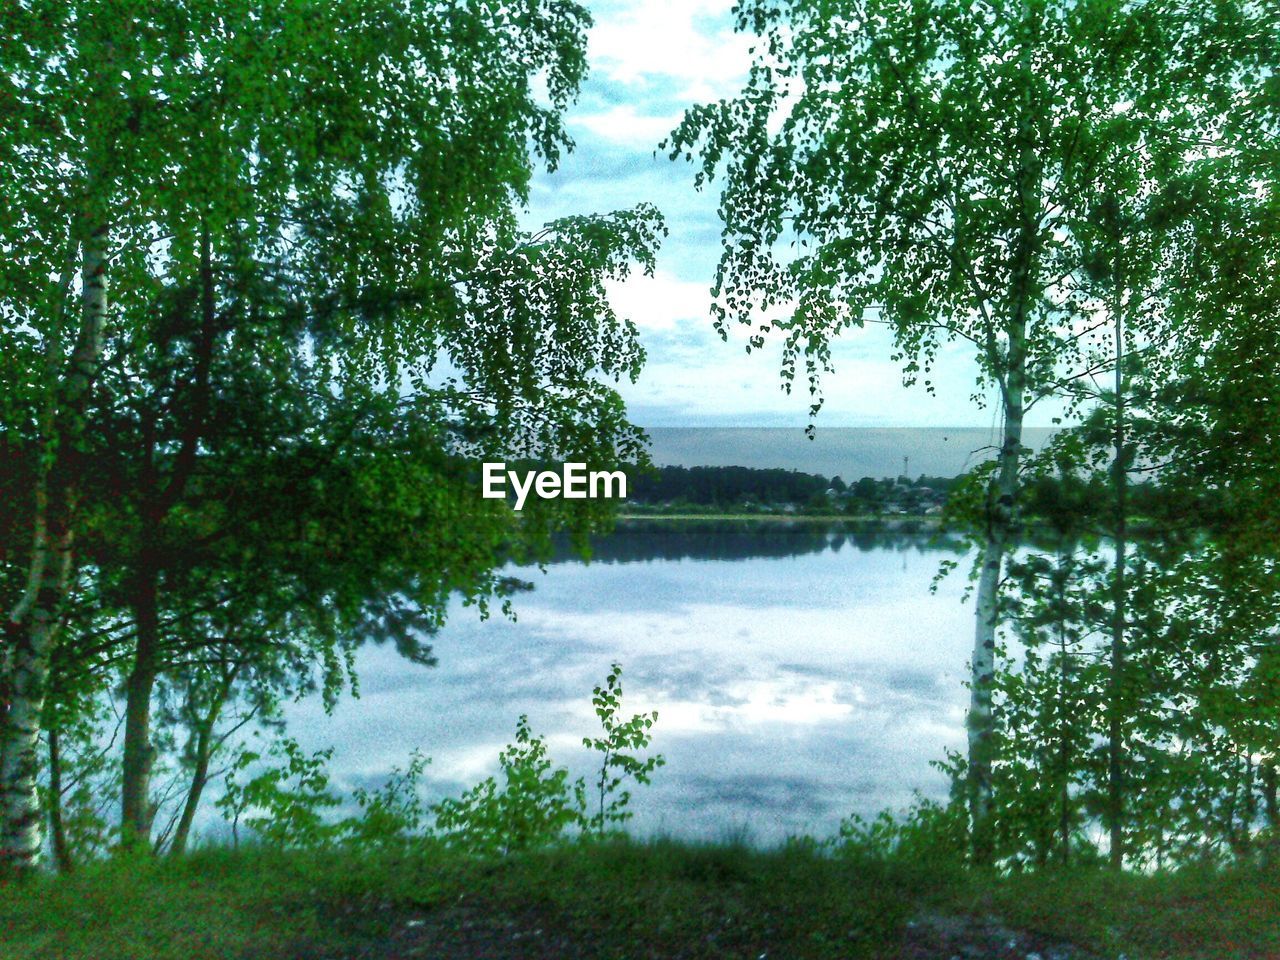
column 618, row 763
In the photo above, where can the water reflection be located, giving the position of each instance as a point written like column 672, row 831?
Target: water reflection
column 801, row 672
column 645, row 540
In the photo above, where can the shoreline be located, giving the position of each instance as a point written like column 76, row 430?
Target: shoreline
column 787, row 517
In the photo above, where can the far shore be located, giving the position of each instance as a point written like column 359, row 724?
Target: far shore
column 913, row 523
column 879, row 519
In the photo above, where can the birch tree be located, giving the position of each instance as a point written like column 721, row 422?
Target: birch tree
column 364, row 160
column 917, row 163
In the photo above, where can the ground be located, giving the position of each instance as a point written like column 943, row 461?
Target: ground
column 657, row 901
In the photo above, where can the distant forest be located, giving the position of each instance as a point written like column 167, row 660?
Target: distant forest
column 749, row 486
column 655, row 538
column 1047, row 496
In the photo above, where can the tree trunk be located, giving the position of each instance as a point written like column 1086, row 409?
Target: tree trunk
column 1002, row 498
column 981, row 720
column 203, row 749
column 1267, row 773
column 31, row 626
column 30, row 639
column 1116, row 685
column 58, row 833
column 199, row 777
column 1064, row 726
column 136, row 811
column 135, row 798
column 20, row 841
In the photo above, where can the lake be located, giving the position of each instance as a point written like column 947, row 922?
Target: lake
column 801, row 672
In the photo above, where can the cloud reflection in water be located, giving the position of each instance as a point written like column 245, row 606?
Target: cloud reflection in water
column 793, row 687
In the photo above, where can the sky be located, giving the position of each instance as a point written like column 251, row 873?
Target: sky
column 650, row 60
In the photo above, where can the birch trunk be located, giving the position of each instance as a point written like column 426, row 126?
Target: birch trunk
column 1064, row 728
column 981, row 721
column 32, row 625
column 32, row 641
column 1011, row 371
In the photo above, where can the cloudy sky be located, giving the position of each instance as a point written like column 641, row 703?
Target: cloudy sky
column 651, row 59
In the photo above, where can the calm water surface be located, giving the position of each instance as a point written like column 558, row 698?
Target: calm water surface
column 800, row 674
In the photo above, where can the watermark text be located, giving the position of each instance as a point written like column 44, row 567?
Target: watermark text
column 573, row 482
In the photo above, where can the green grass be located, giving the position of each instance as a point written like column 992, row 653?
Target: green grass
column 614, row 901
column 1204, row 914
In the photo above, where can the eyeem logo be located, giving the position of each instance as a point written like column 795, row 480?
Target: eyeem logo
column 573, row 483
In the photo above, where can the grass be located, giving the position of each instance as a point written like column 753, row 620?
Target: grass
column 612, row 901
column 1205, row 914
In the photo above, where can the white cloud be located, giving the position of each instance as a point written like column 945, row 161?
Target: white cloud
column 670, row 38
column 622, row 124
column 660, row 302
column 692, row 378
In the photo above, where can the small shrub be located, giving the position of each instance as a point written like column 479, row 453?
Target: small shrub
column 533, row 802
column 532, row 807
column 392, row 814
column 618, row 764
column 285, row 803
column 929, row 832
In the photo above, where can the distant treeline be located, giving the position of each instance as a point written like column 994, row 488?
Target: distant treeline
column 641, row 541
column 1045, row 496
column 733, row 486
column 722, row 486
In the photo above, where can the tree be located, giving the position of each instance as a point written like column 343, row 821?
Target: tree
column 918, row 163
column 329, row 188
column 1183, row 707
column 1175, row 206
column 1213, row 392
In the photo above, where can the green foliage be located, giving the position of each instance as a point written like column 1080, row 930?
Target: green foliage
column 1199, row 710
column 392, row 814
column 290, row 804
column 530, row 807
column 927, row 833
column 618, row 763
column 88, row 779
column 533, row 802
column 979, row 165
column 305, row 216
column 285, row 805
column 1074, row 188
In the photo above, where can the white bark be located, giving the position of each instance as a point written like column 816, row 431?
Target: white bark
column 31, row 627
column 20, row 815
column 1001, row 519
column 981, row 721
